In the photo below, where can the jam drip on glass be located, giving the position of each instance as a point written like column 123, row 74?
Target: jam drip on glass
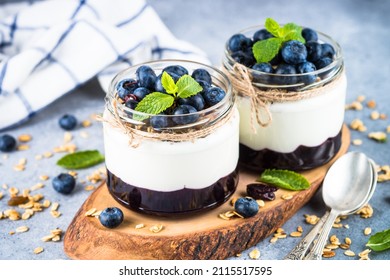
column 171, row 203
column 302, row 158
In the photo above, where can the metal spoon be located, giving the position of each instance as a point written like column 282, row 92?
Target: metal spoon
column 300, row 250
column 345, row 190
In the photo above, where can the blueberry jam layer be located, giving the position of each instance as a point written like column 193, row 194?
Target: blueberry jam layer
column 183, row 201
column 302, row 158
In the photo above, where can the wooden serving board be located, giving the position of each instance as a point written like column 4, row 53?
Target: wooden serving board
column 201, row 236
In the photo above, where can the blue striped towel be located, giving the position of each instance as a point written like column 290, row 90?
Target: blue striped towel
column 48, row 48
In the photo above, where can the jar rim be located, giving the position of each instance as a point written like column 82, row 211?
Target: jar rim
column 218, row 77
column 335, row 66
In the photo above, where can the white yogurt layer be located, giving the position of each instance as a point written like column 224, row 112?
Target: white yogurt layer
column 307, row 122
column 167, row 166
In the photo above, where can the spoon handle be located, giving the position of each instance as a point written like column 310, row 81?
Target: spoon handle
column 301, row 248
column 316, row 251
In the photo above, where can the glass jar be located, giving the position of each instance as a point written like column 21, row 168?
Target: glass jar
column 287, row 122
column 177, row 169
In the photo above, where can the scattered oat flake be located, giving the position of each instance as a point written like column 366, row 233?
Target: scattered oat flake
column 38, row 157
column 68, row 137
column 355, row 105
column 366, row 211
column 139, row 226
column 348, row 240
column 371, row 104
column 358, row 125
column 13, row 191
column 254, row 254
column 311, row 219
column 90, row 212
column 374, row 115
column 357, row 142
column 296, row 234
column 329, row 254
column 22, row 229
column 1, row 195
column 299, row 229
column 37, row 186
column 24, row 137
column 379, row 136
column 260, row 202
column 89, row 188
column 287, row 196
column 349, row 253
column 367, row 231
column 23, row 147
column 47, row 154
column 156, row 228
column 19, row 167
column 38, row 250
column 273, row 240
column 86, row 123
column 55, row 206
column 55, row 213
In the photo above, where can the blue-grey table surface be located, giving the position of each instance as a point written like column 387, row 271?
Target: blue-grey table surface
column 360, row 26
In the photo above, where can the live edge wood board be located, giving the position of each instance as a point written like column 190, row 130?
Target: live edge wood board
column 202, row 236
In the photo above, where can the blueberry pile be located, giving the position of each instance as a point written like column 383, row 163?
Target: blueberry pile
column 294, row 57
column 131, row 91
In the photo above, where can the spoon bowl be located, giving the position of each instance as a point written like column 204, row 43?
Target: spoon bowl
column 347, row 186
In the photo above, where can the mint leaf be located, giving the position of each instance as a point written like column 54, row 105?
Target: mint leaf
column 266, row 50
column 291, row 31
column 187, row 86
column 82, row 159
column 380, row 241
column 154, row 103
column 272, row 27
column 284, row 179
column 168, row 83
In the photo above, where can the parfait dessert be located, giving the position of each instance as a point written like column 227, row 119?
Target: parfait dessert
column 291, row 87
column 171, row 136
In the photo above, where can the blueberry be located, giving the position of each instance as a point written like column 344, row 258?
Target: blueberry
column 64, row 183
column 183, row 110
column 205, row 85
column 323, row 62
column 196, row 101
column 126, row 87
column 111, row 217
column 67, row 122
column 238, row 42
column 314, row 51
column 159, row 121
column 309, row 35
column 131, row 103
column 213, row 95
column 277, row 59
column 201, row 75
column 146, row 77
column 176, row 69
column 307, row 67
column 261, row 34
column 141, row 92
column 263, row 67
column 294, row 52
column 260, row 77
column 7, row 143
column 327, row 50
column 158, row 85
column 243, row 58
column 246, row 207
column 289, row 71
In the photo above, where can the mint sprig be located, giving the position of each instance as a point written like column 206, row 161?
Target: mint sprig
column 266, row 50
column 284, row 179
column 380, row 241
column 157, row 102
column 81, row 159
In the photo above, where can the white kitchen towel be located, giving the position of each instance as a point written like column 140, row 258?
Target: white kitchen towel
column 48, row 48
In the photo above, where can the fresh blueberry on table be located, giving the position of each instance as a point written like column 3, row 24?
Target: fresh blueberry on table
column 111, row 217
column 64, row 183
column 183, row 110
column 213, row 95
column 202, row 75
column 246, row 207
column 294, row 52
column 7, row 143
column 126, row 87
column 309, row 34
column 146, row 77
column 68, row 122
